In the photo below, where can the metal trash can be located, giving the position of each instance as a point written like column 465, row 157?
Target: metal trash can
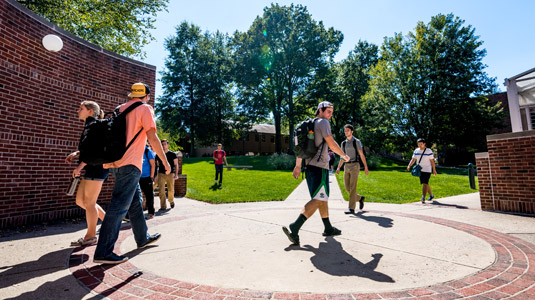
column 472, row 176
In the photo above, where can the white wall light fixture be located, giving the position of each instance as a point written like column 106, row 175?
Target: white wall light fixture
column 52, row 42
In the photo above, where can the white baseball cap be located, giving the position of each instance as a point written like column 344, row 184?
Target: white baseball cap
column 324, row 104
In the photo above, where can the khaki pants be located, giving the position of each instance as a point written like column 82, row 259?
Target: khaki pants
column 351, row 175
column 169, row 180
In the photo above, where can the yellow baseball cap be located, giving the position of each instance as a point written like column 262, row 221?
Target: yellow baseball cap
column 139, row 90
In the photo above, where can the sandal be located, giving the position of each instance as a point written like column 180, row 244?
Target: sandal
column 82, row 242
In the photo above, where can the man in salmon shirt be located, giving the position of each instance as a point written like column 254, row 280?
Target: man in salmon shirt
column 127, row 171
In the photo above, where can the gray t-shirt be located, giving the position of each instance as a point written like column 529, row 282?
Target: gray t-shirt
column 350, row 150
column 322, row 129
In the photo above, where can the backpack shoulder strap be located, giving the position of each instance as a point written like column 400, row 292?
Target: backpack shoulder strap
column 344, row 146
column 422, row 156
column 355, row 144
column 126, row 111
column 130, row 108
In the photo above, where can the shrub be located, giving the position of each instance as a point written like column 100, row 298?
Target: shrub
column 281, row 161
column 373, row 161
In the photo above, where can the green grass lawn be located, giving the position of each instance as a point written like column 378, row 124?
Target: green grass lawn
column 261, row 183
column 392, row 183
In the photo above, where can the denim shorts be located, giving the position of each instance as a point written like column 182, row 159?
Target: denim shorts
column 96, row 173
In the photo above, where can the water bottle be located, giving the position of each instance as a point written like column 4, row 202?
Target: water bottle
column 72, row 186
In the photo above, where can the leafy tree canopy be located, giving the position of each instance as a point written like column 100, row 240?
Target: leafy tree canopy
column 120, row 26
column 428, row 84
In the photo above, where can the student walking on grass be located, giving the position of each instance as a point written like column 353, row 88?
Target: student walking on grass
column 317, row 175
column 219, row 155
column 425, row 158
column 352, row 147
column 127, row 171
column 91, row 183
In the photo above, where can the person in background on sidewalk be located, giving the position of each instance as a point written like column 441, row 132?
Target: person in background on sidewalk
column 428, row 165
column 146, row 180
column 219, row 155
column 351, row 147
column 164, row 179
column 127, row 171
column 91, row 183
column 332, row 158
column 317, row 175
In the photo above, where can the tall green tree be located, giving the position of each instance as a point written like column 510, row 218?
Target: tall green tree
column 277, row 58
column 122, row 27
column 197, row 100
column 354, row 81
column 429, row 82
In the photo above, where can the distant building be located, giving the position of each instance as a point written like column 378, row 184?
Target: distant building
column 501, row 98
column 260, row 139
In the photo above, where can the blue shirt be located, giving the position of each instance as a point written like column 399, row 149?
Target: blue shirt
column 147, row 156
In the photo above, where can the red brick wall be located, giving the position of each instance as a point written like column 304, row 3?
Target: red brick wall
column 41, row 92
column 506, row 175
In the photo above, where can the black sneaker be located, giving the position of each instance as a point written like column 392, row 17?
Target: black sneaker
column 361, row 202
column 152, row 239
column 334, row 231
column 111, row 259
column 172, row 204
column 294, row 238
column 349, row 211
column 431, row 197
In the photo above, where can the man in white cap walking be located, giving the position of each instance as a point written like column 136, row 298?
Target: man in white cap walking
column 317, row 175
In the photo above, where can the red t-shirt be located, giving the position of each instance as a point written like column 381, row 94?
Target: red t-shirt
column 218, row 155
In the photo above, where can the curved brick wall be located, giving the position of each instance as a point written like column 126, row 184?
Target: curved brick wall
column 40, row 93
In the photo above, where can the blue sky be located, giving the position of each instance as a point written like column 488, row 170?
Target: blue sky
column 505, row 27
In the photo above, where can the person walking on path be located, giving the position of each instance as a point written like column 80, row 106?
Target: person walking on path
column 352, row 147
column 427, row 162
column 127, row 171
column 219, row 155
column 91, row 183
column 146, row 180
column 164, row 179
column 317, row 175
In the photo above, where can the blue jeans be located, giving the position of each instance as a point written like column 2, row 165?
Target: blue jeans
column 219, row 171
column 126, row 197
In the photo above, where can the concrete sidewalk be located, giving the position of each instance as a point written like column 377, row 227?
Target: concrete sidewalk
column 442, row 250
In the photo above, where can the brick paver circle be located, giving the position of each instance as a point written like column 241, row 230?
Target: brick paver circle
column 512, row 276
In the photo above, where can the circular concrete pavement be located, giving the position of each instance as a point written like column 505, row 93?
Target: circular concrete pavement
column 380, row 255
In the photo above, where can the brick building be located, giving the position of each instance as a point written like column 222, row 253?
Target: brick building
column 260, row 139
column 41, row 92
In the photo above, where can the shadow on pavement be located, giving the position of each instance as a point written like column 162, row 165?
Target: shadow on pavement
column 381, row 221
column 448, row 205
column 65, row 287
column 331, row 258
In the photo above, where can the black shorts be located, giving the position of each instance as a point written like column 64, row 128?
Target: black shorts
column 96, row 173
column 317, row 182
column 424, row 177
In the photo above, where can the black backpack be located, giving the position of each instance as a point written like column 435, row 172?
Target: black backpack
column 305, row 145
column 354, row 146
column 104, row 141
